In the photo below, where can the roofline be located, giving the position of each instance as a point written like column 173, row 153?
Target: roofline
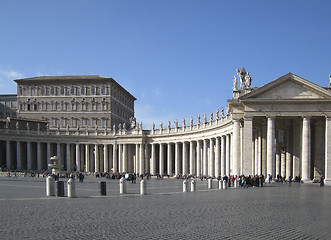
column 73, row 77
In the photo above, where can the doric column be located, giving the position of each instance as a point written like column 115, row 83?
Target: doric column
column 192, row 159
column 8, row 156
column 125, row 158
column 227, row 155
column 328, row 150
column 19, row 156
column 211, row 164
column 236, row 145
column 96, row 158
column 49, row 154
column 277, row 158
column 223, row 154
column 259, row 153
column 141, row 159
column 270, row 145
column 68, row 156
column 289, row 162
column 115, row 159
column 153, row 161
column 177, row 160
column 198, row 158
column 29, row 155
column 185, row 159
column 305, row 149
column 87, row 158
column 39, row 156
column 283, row 163
column 78, row 165
column 169, row 160
column 161, row 164
column 205, row 158
column 105, row 158
column 136, row 165
column 120, row 158
column 217, row 157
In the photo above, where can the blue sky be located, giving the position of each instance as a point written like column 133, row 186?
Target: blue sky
column 177, row 57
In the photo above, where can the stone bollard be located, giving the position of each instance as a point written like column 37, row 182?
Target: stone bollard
column 185, row 186
column 71, row 188
column 225, row 185
column 143, row 190
column 220, row 184
column 193, row 186
column 102, row 188
column 210, row 183
column 122, row 186
column 59, row 188
column 50, row 186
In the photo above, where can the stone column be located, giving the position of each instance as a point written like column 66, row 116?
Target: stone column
column 96, row 158
column 223, row 154
column 270, row 146
column 228, row 154
column 153, row 162
column 211, row 164
column 177, row 160
column 120, row 158
column 142, row 159
column 217, row 157
column 248, row 145
column 283, row 163
column 259, row 153
column 105, row 158
column 125, row 158
column 78, row 165
column 205, row 158
column 192, row 159
column 328, row 150
column 115, row 164
column 236, row 145
column 29, row 155
column 198, row 158
column 9, row 162
column 49, row 154
column 169, row 160
column 184, row 158
column 39, row 156
column 87, row 158
column 19, row 156
column 136, row 166
column 161, row 164
column 305, row 149
column 68, row 156
column 278, row 162
column 289, row 162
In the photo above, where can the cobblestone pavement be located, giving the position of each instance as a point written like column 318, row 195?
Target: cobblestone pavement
column 275, row 211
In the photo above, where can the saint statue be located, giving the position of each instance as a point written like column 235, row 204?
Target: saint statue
column 169, row 124
column 176, row 123
column 235, row 83
column 198, row 119
column 191, row 121
column 161, row 125
column 184, row 124
column 217, row 114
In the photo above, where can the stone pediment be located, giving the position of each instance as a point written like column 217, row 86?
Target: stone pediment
column 288, row 87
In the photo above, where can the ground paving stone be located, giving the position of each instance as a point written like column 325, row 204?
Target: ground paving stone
column 275, row 211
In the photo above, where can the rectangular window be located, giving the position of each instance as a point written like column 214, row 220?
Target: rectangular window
column 74, row 122
column 84, row 122
column 94, row 122
column 104, row 122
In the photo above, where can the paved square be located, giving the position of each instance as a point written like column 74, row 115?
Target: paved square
column 274, row 211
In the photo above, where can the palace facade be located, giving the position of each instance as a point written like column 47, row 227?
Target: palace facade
column 283, row 127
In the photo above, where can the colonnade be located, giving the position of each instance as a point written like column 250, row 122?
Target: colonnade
column 250, row 146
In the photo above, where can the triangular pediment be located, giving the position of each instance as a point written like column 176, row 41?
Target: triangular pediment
column 288, row 87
